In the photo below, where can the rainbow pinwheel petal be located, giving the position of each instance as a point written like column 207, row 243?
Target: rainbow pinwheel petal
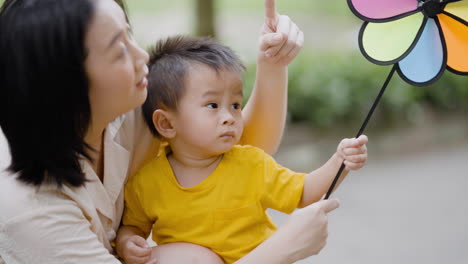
column 427, row 60
column 387, row 43
column 372, row 10
column 456, row 38
column 423, row 37
column 458, row 9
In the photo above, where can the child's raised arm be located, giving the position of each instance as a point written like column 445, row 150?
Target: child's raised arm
column 265, row 113
column 354, row 154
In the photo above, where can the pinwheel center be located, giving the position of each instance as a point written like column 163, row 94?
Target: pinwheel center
column 432, row 8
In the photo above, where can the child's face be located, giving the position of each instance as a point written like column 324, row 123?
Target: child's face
column 209, row 118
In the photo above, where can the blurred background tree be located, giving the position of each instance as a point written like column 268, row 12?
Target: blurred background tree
column 205, row 18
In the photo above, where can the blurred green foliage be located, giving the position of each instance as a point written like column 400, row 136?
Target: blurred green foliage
column 283, row 6
column 245, row 6
column 330, row 88
column 327, row 89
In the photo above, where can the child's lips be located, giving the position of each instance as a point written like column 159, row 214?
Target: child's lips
column 229, row 134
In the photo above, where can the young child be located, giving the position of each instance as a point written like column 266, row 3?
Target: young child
column 204, row 189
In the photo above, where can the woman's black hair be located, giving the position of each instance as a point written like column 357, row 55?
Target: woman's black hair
column 44, row 104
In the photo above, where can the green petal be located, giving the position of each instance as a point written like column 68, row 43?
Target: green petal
column 387, row 43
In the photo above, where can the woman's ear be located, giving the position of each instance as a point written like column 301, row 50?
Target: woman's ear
column 162, row 121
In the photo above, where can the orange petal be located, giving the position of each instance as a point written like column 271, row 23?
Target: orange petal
column 456, row 39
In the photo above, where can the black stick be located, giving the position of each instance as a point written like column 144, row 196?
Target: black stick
column 363, row 127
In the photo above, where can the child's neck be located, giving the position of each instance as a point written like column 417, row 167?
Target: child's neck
column 189, row 160
column 190, row 170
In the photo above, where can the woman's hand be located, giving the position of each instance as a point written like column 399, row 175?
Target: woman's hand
column 280, row 42
column 281, row 39
column 304, row 234
column 306, row 231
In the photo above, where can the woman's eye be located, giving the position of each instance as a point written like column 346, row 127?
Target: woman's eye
column 236, row 106
column 123, row 51
column 130, row 35
column 212, row 105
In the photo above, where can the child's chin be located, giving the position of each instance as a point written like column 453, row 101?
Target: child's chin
column 225, row 148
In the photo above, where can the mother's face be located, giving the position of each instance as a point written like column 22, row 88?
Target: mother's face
column 115, row 64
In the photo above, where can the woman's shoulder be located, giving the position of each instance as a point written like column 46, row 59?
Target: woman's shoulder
column 134, row 135
column 15, row 197
column 18, row 200
column 50, row 217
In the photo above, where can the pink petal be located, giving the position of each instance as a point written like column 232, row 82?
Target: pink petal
column 371, row 10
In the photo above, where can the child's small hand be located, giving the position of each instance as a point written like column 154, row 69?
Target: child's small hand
column 354, row 152
column 136, row 250
column 281, row 39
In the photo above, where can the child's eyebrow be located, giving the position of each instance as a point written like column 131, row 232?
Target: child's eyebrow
column 211, row 93
column 239, row 92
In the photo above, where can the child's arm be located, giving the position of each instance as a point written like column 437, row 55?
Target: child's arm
column 265, row 113
column 352, row 151
column 132, row 247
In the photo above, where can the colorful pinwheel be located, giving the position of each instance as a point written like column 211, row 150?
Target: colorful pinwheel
column 422, row 36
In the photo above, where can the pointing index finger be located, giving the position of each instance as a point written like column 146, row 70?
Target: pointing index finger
column 270, row 10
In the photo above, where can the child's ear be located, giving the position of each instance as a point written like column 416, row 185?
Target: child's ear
column 162, row 121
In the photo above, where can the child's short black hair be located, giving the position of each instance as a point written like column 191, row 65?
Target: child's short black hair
column 169, row 61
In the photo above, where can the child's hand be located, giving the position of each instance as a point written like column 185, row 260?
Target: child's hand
column 281, row 39
column 137, row 251
column 353, row 151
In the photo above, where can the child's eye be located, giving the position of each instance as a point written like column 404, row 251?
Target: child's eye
column 236, row 106
column 212, row 105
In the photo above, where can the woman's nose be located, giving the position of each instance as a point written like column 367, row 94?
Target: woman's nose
column 141, row 58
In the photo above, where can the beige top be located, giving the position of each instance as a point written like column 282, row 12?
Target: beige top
column 72, row 225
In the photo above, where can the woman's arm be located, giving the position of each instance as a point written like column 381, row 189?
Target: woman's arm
column 265, row 112
column 304, row 234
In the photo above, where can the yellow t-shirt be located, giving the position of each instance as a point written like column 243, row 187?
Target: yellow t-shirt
column 225, row 212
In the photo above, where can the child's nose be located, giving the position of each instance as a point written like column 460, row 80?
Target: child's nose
column 228, row 118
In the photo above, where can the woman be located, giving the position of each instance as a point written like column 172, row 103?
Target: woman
column 71, row 81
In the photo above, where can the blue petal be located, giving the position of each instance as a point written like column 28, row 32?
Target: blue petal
column 426, row 62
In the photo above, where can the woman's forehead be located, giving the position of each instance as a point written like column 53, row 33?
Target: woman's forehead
column 109, row 20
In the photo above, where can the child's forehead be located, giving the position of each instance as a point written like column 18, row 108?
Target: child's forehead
column 204, row 78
